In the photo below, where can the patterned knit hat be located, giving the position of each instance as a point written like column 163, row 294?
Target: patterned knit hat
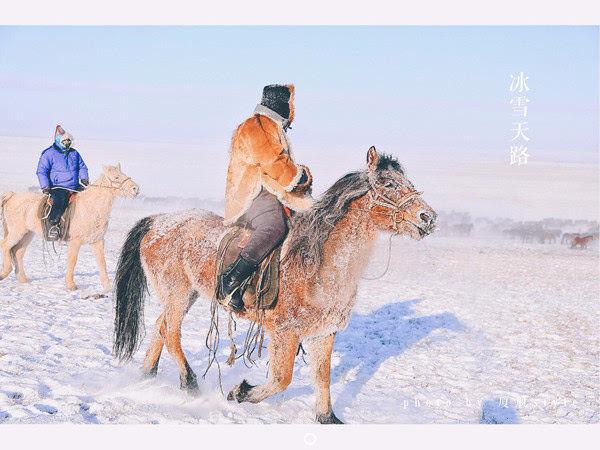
column 60, row 136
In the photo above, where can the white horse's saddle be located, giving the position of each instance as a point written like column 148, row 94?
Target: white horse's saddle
column 65, row 220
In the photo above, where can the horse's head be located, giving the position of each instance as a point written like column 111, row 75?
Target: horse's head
column 395, row 204
column 123, row 185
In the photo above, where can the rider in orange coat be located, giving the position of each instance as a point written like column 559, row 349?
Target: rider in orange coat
column 262, row 179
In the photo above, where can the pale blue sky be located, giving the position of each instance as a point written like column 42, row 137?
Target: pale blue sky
column 437, row 90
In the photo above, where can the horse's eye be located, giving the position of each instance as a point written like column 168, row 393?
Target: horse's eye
column 389, row 184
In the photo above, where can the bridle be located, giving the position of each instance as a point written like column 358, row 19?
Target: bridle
column 115, row 185
column 396, row 209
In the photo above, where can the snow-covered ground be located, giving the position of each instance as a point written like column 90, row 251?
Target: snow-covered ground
column 459, row 330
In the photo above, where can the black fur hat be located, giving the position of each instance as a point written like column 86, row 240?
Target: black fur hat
column 276, row 97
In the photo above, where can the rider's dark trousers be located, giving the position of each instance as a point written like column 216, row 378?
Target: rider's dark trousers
column 266, row 217
column 60, row 201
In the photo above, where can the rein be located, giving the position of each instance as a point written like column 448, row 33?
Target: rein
column 394, row 208
column 387, row 264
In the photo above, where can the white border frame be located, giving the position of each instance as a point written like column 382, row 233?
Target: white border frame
column 307, row 12
column 310, row 12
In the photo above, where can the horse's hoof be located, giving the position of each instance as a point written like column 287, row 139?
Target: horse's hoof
column 149, row 374
column 24, row 280
column 240, row 392
column 330, row 418
column 192, row 391
column 190, row 385
column 71, row 287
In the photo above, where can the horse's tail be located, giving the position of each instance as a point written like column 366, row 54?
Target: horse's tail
column 3, row 199
column 130, row 289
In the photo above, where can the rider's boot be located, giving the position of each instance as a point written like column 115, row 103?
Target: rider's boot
column 233, row 279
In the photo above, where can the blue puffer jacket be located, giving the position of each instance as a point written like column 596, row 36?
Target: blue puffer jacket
column 58, row 168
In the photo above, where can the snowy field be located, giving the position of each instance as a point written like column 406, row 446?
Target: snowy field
column 459, row 330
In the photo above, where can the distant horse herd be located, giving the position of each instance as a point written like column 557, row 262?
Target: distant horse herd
column 551, row 236
column 525, row 232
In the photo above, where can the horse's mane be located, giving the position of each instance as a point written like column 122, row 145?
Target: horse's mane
column 311, row 228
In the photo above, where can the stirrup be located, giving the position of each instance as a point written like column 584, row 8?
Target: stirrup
column 53, row 233
column 229, row 301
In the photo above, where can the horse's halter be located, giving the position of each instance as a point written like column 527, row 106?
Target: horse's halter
column 396, row 209
column 115, row 185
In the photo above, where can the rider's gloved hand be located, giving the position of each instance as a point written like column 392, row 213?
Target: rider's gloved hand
column 305, row 182
column 85, row 182
column 303, row 178
column 46, row 191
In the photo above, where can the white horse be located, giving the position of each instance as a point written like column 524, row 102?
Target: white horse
column 89, row 221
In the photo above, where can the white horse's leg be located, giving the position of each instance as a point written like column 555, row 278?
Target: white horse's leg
column 19, row 252
column 7, row 261
column 74, row 246
column 98, row 248
column 8, row 243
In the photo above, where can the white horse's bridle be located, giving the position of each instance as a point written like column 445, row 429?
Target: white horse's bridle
column 115, row 185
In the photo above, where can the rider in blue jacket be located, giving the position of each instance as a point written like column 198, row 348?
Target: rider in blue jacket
column 61, row 170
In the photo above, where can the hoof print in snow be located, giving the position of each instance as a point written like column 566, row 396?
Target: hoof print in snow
column 495, row 412
column 15, row 396
column 48, row 409
column 95, row 296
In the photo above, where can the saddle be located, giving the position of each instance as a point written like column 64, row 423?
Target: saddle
column 43, row 211
column 263, row 287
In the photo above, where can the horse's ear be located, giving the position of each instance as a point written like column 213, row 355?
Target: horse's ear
column 372, row 159
column 105, row 169
column 119, row 167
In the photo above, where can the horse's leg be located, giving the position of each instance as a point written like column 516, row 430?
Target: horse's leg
column 8, row 243
column 7, row 260
column 153, row 354
column 175, row 311
column 319, row 356
column 282, row 352
column 98, row 248
column 19, row 252
column 74, row 246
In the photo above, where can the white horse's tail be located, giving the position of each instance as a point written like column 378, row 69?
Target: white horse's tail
column 3, row 199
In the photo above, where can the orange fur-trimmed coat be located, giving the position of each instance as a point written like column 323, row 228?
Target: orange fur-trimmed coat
column 261, row 158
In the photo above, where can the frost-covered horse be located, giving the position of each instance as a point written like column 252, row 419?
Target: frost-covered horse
column 322, row 260
column 89, row 221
